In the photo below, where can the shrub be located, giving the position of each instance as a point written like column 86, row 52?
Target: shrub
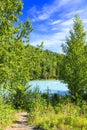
column 6, row 114
column 62, row 116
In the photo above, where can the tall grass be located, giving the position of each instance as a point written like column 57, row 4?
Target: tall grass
column 6, row 114
column 56, row 113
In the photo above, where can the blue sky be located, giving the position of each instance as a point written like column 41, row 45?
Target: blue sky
column 52, row 20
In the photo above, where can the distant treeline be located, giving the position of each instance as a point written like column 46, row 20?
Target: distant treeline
column 44, row 63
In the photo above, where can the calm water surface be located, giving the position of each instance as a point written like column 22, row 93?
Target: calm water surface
column 55, row 86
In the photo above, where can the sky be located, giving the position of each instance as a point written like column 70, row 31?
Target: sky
column 52, row 20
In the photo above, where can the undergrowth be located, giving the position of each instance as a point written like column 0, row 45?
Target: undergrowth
column 6, row 115
column 62, row 114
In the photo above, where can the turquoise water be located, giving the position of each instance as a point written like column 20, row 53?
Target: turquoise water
column 55, row 86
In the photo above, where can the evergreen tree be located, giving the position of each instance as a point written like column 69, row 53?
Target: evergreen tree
column 74, row 66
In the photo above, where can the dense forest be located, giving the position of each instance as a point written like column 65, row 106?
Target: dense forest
column 43, row 64
column 20, row 63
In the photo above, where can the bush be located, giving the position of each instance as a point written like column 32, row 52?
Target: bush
column 62, row 116
column 6, row 114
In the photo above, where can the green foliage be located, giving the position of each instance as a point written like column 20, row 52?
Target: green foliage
column 74, row 65
column 42, row 64
column 18, row 97
column 9, row 13
column 12, row 50
column 14, row 71
column 35, row 101
column 6, row 114
column 57, row 116
column 37, row 105
column 19, row 62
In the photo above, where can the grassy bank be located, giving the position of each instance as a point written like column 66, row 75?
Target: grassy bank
column 57, row 113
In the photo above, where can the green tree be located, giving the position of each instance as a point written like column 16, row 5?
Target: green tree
column 74, row 65
column 13, row 34
column 11, row 28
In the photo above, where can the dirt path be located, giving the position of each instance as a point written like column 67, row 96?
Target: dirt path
column 21, row 123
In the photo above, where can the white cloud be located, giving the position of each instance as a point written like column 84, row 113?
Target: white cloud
column 47, row 10
column 72, row 13
column 42, row 28
column 56, row 28
column 51, row 41
column 63, row 2
column 43, row 16
column 85, row 21
column 56, row 22
column 66, row 30
column 67, row 22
